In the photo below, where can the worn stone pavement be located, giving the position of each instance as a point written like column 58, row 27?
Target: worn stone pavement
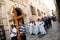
column 52, row 34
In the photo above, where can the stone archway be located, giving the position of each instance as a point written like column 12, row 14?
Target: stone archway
column 19, row 12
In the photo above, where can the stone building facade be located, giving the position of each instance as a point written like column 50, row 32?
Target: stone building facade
column 33, row 9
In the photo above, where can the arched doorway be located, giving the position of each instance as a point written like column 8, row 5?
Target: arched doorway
column 19, row 12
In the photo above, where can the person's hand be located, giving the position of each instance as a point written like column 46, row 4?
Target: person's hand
column 18, row 36
column 21, row 33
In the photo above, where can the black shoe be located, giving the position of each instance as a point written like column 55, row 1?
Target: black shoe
column 32, row 34
column 38, row 33
column 42, row 34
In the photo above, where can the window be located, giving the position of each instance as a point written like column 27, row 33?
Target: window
column 33, row 10
column 38, row 13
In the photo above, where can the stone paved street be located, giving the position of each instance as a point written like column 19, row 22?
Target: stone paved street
column 52, row 34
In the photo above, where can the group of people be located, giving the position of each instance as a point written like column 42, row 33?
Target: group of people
column 40, row 26
column 14, row 33
column 35, row 27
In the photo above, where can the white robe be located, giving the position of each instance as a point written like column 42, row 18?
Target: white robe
column 30, row 28
column 38, row 26
column 41, row 27
column 35, row 29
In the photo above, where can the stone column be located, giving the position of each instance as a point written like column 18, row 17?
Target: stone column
column 5, row 21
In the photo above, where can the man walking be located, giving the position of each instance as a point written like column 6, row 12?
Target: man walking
column 22, row 31
column 13, row 33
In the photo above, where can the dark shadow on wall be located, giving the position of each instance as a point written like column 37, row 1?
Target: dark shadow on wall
column 58, row 4
column 2, row 33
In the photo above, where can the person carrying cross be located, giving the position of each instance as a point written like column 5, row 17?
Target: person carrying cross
column 22, row 30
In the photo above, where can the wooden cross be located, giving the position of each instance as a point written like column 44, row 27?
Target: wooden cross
column 16, row 21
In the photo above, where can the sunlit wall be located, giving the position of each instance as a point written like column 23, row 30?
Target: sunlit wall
column 50, row 4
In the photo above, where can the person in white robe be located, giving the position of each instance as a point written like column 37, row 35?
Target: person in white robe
column 35, row 28
column 41, row 27
column 30, row 28
column 38, row 20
